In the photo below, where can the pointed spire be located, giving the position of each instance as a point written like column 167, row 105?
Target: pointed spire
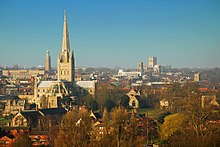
column 66, row 43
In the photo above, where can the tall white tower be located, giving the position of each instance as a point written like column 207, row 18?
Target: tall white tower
column 152, row 61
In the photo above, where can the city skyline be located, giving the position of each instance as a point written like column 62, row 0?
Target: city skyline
column 112, row 33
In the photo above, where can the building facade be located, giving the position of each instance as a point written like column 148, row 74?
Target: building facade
column 157, row 69
column 196, row 77
column 134, row 74
column 23, row 73
column 152, row 61
column 133, row 98
column 140, row 67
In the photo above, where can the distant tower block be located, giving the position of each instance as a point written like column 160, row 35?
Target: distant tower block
column 196, row 76
column 140, row 67
column 152, row 61
column 48, row 62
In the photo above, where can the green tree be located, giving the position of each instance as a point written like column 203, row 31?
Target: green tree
column 193, row 126
column 162, row 116
column 172, row 123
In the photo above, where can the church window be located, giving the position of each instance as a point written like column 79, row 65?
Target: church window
column 133, row 103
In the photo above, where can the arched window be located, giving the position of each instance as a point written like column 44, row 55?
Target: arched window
column 133, row 103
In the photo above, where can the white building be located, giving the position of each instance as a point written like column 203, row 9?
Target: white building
column 133, row 74
column 152, row 61
column 157, row 69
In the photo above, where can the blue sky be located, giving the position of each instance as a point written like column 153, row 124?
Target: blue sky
column 109, row 33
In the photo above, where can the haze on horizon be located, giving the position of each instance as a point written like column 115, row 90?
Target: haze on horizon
column 110, row 33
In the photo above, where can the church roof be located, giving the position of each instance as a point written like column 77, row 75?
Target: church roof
column 31, row 116
column 30, row 113
column 51, row 111
column 45, row 84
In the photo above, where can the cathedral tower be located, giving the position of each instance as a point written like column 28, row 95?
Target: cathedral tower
column 66, row 61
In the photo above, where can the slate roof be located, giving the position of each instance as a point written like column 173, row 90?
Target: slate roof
column 30, row 113
column 45, row 84
column 6, row 97
column 52, row 111
column 97, row 115
column 32, row 117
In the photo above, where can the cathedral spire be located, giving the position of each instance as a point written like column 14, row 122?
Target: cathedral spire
column 65, row 43
column 66, row 61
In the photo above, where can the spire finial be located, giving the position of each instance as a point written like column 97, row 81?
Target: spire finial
column 65, row 44
column 64, row 13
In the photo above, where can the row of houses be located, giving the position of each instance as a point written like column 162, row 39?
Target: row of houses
column 37, row 124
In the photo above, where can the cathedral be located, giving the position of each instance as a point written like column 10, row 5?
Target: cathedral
column 47, row 94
